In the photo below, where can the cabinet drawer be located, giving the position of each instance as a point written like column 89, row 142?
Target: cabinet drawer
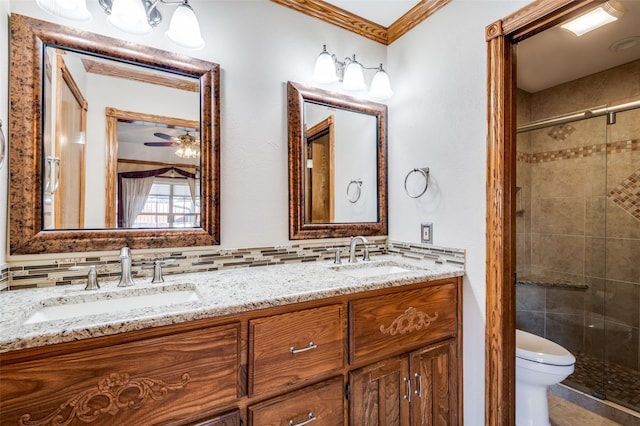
column 293, row 347
column 318, row 405
column 151, row 381
column 394, row 323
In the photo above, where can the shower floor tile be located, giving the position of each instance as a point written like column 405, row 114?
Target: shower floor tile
column 623, row 384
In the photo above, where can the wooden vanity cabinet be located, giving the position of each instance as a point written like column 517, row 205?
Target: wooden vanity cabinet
column 381, row 357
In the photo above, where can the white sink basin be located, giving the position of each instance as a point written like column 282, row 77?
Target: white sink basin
column 66, row 310
column 364, row 270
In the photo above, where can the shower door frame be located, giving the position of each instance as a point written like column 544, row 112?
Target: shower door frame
column 501, row 37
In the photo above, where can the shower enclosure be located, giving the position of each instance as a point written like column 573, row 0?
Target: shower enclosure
column 578, row 227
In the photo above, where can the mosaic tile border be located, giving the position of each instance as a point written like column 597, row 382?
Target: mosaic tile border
column 579, row 152
column 4, row 277
column 426, row 251
column 30, row 274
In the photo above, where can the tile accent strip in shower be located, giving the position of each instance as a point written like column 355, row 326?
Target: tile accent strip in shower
column 627, row 194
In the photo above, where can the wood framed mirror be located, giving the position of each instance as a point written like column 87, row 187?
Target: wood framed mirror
column 32, row 169
column 337, row 164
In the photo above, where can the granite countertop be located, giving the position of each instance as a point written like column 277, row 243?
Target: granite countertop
column 219, row 293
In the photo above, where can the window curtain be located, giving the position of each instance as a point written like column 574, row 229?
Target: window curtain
column 134, row 197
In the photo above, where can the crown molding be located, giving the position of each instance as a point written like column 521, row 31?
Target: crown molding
column 361, row 26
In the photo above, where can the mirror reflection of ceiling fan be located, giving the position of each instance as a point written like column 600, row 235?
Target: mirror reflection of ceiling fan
column 187, row 146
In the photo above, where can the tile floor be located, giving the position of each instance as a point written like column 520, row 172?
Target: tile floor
column 565, row 413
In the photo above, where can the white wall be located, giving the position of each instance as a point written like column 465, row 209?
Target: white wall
column 437, row 119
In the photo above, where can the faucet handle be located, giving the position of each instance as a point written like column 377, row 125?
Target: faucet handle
column 336, row 250
column 92, row 276
column 157, row 270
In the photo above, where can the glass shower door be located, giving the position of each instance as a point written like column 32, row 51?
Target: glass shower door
column 622, row 276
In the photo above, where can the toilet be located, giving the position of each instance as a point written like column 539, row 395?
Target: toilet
column 539, row 364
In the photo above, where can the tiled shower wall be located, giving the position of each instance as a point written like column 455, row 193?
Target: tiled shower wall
column 578, row 219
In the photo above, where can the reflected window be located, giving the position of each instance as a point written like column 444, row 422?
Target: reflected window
column 170, row 204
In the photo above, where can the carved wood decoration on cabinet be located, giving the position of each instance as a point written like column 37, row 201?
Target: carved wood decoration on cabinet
column 386, row 357
column 150, row 381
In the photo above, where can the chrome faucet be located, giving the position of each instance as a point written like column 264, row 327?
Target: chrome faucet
column 352, row 249
column 125, row 264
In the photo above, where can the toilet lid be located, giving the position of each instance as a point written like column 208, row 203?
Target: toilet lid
column 538, row 349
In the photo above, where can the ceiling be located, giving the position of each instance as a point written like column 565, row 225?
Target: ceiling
column 550, row 58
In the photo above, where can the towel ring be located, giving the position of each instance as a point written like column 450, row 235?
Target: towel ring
column 2, row 146
column 424, row 171
column 356, row 194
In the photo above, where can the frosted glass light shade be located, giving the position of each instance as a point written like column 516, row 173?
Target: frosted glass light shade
column 184, row 29
column 353, row 77
column 380, row 85
column 324, row 71
column 605, row 14
column 69, row 9
column 129, row 16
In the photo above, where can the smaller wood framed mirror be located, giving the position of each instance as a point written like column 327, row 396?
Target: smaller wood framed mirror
column 337, row 164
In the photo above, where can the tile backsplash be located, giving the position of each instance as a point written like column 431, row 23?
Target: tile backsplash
column 30, row 274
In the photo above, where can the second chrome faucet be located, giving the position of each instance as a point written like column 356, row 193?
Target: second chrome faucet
column 126, row 280
column 352, row 248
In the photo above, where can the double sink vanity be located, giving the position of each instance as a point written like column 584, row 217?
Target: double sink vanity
column 311, row 342
column 306, row 343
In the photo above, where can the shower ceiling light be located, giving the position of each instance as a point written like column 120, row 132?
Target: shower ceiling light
column 329, row 70
column 608, row 12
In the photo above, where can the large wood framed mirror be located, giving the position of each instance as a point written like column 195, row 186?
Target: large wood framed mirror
column 337, row 164
column 88, row 113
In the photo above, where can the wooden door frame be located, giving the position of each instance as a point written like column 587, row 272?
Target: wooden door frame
column 326, row 125
column 501, row 37
column 63, row 75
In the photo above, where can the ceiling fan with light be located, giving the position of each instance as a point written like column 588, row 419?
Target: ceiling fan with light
column 187, row 146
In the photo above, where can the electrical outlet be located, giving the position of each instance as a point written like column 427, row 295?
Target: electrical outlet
column 426, row 233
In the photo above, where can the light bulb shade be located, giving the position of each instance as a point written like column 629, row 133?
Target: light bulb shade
column 184, row 29
column 353, row 77
column 130, row 16
column 380, row 85
column 69, row 9
column 324, row 71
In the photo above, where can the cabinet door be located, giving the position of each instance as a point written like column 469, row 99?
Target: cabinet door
column 434, row 375
column 380, row 393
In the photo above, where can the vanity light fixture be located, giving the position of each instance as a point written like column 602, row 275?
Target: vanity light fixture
column 137, row 17
column 606, row 13
column 328, row 69
column 70, row 9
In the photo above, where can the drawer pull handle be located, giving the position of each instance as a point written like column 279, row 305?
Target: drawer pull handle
column 308, row 348
column 418, row 390
column 311, row 418
column 407, row 382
